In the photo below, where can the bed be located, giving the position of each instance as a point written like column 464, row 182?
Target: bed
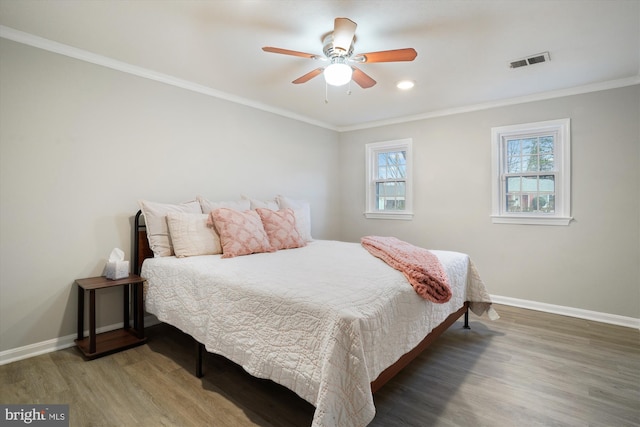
column 327, row 320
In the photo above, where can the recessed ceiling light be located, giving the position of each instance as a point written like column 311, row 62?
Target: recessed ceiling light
column 405, row 84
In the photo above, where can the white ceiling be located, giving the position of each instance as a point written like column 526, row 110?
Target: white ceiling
column 464, row 49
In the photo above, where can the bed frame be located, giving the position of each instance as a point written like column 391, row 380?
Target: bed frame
column 142, row 251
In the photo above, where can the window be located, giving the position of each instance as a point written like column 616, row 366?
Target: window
column 531, row 173
column 389, row 180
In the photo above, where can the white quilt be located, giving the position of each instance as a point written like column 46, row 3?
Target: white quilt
column 323, row 320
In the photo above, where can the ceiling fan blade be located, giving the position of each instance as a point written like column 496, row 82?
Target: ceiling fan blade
column 408, row 54
column 308, row 76
column 288, row 52
column 343, row 31
column 363, row 80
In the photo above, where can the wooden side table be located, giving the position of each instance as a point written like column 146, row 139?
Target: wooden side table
column 97, row 345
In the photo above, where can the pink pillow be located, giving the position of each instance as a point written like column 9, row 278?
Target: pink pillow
column 241, row 233
column 281, row 228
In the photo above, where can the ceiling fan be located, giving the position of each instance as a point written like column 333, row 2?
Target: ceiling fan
column 338, row 53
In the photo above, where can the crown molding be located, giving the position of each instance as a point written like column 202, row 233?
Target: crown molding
column 578, row 90
column 83, row 55
column 104, row 61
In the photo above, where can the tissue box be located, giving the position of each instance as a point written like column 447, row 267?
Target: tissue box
column 117, row 270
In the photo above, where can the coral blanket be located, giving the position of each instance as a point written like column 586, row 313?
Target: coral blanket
column 421, row 267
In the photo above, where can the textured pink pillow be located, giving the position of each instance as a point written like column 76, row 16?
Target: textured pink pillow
column 281, row 228
column 241, row 233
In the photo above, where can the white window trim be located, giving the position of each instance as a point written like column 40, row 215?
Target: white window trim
column 562, row 215
column 371, row 149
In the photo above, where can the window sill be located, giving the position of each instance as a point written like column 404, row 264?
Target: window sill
column 531, row 220
column 406, row 216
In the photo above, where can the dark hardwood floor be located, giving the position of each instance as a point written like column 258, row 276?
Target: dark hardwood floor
column 526, row 369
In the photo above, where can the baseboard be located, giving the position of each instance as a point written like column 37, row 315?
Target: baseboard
column 596, row 316
column 31, row 350
column 48, row 346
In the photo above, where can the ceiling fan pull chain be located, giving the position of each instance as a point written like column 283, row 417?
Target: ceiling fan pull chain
column 326, row 92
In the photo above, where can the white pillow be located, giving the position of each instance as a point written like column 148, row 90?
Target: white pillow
column 237, row 205
column 262, row 204
column 191, row 236
column 302, row 212
column 155, row 218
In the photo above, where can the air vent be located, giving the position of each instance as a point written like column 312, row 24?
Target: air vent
column 534, row 59
column 519, row 63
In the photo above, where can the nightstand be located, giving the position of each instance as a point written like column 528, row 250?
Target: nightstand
column 96, row 345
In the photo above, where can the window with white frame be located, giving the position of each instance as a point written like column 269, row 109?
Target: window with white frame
column 389, row 187
column 531, row 173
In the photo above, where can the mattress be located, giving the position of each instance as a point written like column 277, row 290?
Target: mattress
column 323, row 320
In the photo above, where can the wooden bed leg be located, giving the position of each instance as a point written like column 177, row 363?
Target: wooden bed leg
column 199, row 351
column 466, row 319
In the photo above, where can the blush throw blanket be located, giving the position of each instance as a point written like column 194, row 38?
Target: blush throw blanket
column 421, row 267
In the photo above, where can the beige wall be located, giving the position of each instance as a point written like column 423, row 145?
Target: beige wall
column 592, row 264
column 80, row 144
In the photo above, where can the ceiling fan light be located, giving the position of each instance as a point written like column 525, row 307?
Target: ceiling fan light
column 338, row 74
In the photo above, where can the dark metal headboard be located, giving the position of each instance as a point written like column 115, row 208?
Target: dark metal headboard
column 141, row 249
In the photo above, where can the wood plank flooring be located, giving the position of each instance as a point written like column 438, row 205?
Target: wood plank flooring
column 526, row 369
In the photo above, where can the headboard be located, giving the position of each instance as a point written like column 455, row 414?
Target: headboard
column 141, row 249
